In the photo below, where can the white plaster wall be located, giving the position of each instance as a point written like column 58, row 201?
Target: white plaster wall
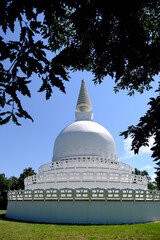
column 84, row 212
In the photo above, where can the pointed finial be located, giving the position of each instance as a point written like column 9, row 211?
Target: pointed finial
column 83, row 103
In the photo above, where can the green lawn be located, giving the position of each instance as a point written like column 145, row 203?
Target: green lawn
column 21, row 230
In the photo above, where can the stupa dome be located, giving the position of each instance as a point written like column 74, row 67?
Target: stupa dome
column 84, row 137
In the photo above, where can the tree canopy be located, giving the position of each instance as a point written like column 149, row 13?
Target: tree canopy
column 26, row 173
column 116, row 38
column 151, row 185
column 12, row 183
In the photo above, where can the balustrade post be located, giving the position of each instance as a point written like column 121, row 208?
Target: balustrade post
column 120, row 195
column 89, row 194
column 73, row 194
column 44, row 195
column 134, row 195
column 32, row 195
column 145, row 195
column 58, row 194
column 16, row 196
column 153, row 195
column 106, row 195
column 23, row 195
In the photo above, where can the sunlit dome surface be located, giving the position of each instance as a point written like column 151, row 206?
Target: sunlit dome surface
column 84, row 138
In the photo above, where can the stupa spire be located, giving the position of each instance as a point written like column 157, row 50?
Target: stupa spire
column 84, row 105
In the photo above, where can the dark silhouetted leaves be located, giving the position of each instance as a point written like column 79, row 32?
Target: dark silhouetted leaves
column 116, row 38
column 12, row 183
column 148, row 126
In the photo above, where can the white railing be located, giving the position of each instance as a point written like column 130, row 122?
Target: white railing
column 84, row 194
column 88, row 162
column 58, row 177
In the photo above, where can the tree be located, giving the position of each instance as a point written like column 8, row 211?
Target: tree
column 3, row 191
column 151, row 185
column 116, row 38
column 149, row 125
column 12, row 183
column 26, row 173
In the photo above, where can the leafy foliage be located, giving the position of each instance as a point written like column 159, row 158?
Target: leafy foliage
column 27, row 55
column 12, row 183
column 116, row 38
column 149, row 125
column 26, row 173
column 151, row 185
column 3, row 191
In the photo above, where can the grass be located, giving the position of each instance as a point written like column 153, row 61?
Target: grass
column 14, row 230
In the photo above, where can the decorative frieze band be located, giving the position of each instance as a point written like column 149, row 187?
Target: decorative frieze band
column 86, row 176
column 94, row 194
column 89, row 162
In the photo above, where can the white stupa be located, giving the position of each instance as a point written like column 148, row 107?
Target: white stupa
column 85, row 183
column 84, row 155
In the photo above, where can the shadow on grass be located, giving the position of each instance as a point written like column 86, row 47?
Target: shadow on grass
column 2, row 216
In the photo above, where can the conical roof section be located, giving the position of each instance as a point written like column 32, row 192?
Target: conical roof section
column 83, row 103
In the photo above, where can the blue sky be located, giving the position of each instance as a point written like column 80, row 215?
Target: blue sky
column 31, row 144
